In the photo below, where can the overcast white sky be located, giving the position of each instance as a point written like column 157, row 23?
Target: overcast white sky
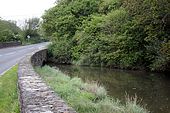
column 23, row 9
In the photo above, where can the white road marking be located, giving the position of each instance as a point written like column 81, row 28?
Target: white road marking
column 17, row 60
column 7, row 70
column 11, row 53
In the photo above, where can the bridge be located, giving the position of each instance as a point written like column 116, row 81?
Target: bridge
column 34, row 95
column 12, row 55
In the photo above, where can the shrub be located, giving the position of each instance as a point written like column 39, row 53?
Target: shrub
column 117, row 33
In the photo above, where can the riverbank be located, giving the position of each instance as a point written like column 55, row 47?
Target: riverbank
column 87, row 97
column 8, row 92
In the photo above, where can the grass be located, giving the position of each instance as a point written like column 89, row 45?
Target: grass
column 86, row 97
column 8, row 92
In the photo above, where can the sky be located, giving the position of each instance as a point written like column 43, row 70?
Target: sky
column 23, row 9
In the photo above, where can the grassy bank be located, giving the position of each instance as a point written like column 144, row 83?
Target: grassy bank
column 8, row 92
column 87, row 97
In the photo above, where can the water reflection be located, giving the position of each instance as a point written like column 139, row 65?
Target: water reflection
column 153, row 89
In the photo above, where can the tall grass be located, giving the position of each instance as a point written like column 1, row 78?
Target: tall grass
column 8, row 92
column 86, row 97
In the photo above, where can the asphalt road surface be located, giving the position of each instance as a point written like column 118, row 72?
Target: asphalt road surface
column 11, row 56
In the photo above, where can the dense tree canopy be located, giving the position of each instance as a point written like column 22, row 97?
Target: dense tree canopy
column 9, row 31
column 116, row 33
column 31, row 30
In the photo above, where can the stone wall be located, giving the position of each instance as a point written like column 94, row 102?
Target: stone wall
column 39, row 58
column 9, row 44
column 35, row 95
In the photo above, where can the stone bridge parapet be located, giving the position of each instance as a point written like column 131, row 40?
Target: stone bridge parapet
column 35, row 95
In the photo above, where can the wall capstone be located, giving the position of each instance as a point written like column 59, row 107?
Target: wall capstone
column 35, row 96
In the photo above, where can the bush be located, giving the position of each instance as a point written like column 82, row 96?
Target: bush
column 9, row 31
column 117, row 33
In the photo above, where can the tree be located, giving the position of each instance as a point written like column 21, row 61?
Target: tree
column 9, row 31
column 31, row 29
column 130, row 34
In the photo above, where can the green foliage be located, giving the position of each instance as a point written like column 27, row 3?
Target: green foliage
column 61, row 51
column 102, row 41
column 31, row 33
column 108, row 5
column 151, row 22
column 86, row 97
column 162, row 62
column 118, row 33
column 9, row 31
column 9, row 102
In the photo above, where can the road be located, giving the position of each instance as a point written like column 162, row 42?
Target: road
column 11, row 56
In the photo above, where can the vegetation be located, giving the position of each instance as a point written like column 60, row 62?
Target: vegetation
column 8, row 92
column 31, row 32
column 9, row 31
column 86, row 97
column 129, row 34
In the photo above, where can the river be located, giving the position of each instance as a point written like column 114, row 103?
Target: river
column 152, row 89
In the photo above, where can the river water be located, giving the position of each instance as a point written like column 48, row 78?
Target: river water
column 153, row 89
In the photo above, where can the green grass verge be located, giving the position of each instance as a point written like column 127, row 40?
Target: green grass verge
column 8, row 92
column 86, row 97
